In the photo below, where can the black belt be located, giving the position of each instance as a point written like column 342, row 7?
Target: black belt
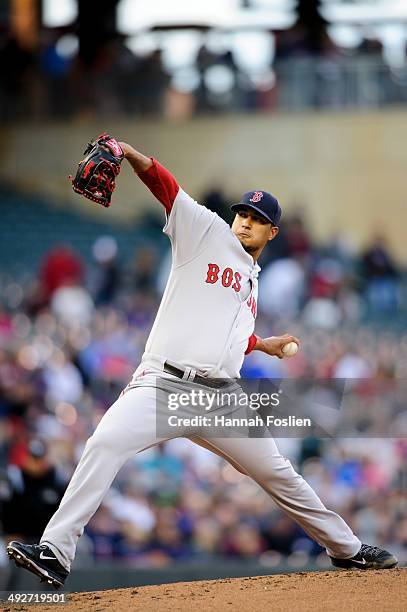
column 216, row 383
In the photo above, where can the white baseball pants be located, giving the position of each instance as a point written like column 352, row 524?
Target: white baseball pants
column 129, row 427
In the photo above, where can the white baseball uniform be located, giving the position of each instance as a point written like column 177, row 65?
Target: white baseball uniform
column 204, row 325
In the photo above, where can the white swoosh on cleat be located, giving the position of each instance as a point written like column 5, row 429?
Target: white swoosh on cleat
column 353, row 561
column 42, row 556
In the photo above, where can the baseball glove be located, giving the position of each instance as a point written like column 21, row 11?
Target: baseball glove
column 95, row 177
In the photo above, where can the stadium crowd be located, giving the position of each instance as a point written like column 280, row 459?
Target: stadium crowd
column 72, row 336
column 49, row 78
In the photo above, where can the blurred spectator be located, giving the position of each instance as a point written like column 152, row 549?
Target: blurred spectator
column 282, row 288
column 132, row 507
column 352, row 365
column 298, row 240
column 381, row 277
column 6, row 327
column 62, row 380
column 244, row 542
column 106, row 273
column 152, row 81
column 322, row 312
column 167, row 542
column 322, row 308
column 104, row 534
column 60, row 267
column 206, row 539
column 72, row 305
column 30, row 494
column 279, row 532
column 55, row 63
column 143, row 270
column 326, row 279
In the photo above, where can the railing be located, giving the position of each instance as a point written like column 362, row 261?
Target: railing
column 333, row 82
column 339, row 83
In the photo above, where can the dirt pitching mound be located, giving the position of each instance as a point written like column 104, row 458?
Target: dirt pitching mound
column 327, row 591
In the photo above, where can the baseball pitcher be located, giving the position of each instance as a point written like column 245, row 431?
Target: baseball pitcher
column 203, row 329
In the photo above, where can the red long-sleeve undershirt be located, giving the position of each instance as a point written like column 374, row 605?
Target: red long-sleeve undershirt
column 251, row 344
column 161, row 183
column 164, row 187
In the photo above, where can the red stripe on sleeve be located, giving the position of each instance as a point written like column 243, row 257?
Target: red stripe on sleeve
column 161, row 183
column 251, row 344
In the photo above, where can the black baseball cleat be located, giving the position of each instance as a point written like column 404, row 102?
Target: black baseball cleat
column 368, row 557
column 40, row 560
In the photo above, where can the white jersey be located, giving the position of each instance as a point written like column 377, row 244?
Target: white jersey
column 208, row 309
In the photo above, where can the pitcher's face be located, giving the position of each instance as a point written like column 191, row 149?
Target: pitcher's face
column 253, row 230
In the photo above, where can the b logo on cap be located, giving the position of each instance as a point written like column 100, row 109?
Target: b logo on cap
column 257, row 196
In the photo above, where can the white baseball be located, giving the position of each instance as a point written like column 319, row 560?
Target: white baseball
column 290, row 349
